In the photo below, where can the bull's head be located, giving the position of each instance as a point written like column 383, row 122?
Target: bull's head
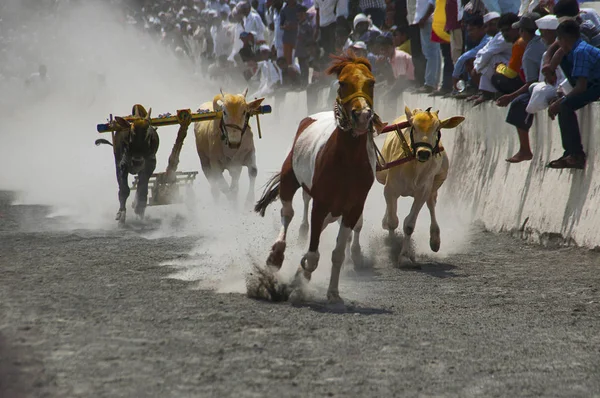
column 140, row 126
column 236, row 115
column 355, row 93
column 425, row 131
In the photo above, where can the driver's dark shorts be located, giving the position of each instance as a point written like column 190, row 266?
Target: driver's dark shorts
column 517, row 115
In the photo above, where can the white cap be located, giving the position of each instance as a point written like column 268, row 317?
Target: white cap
column 264, row 47
column 548, row 22
column 360, row 18
column 489, row 16
column 359, row 45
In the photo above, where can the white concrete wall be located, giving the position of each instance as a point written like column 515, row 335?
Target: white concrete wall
column 561, row 205
column 553, row 206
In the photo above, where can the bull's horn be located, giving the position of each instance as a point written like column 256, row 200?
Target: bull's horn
column 245, row 92
column 221, row 90
column 428, row 110
column 148, row 115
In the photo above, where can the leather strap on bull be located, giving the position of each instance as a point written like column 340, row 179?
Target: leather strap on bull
column 410, row 150
column 224, row 126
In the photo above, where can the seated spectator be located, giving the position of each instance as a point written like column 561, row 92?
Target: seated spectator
column 518, row 100
column 401, row 39
column 496, row 51
column 477, row 33
column 305, row 36
column 590, row 33
column 507, row 78
column 542, row 93
column 585, row 72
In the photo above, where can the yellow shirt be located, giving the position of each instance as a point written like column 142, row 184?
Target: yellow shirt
column 405, row 47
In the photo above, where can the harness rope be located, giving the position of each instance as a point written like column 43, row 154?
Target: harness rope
column 223, row 127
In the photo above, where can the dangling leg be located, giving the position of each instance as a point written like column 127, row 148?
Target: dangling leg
column 124, row 190
column 356, row 252
column 310, row 260
column 235, row 172
column 142, row 188
column 304, row 226
column 208, row 173
column 390, row 219
column 406, row 257
column 337, row 259
column 252, row 173
column 277, row 256
column 434, row 230
column 288, row 186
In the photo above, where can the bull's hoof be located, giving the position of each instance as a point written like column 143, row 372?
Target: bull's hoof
column 140, row 211
column 275, row 259
column 434, row 243
column 333, row 298
column 406, row 262
column 357, row 258
column 121, row 216
column 277, row 255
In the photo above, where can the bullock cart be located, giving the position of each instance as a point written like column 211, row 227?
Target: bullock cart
column 164, row 188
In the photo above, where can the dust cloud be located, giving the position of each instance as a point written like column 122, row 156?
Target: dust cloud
column 97, row 65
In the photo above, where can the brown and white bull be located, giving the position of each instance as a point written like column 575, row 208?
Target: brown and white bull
column 333, row 159
column 228, row 144
column 420, row 178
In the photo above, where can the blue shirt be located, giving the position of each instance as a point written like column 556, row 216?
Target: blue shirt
column 585, row 61
column 459, row 66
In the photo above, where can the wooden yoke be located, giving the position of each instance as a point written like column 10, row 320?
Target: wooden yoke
column 184, row 118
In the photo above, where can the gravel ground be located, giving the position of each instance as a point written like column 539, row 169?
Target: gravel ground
column 92, row 314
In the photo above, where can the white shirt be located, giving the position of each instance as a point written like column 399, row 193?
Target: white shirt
column 422, row 6
column 326, row 7
column 222, row 39
column 253, row 23
column 274, row 16
column 496, row 47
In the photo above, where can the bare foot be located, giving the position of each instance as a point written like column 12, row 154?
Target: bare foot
column 520, row 157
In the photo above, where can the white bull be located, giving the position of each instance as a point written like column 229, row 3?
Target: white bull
column 228, row 144
column 420, row 178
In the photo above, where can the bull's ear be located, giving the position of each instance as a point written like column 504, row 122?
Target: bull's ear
column 451, row 122
column 409, row 114
column 253, row 105
column 122, row 122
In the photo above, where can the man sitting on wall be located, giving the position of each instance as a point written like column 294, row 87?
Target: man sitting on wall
column 496, row 51
column 479, row 30
column 532, row 60
column 507, row 78
column 585, row 76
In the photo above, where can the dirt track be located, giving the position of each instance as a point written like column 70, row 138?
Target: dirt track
column 91, row 314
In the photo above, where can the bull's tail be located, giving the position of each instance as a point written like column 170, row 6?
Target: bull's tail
column 269, row 196
column 101, row 141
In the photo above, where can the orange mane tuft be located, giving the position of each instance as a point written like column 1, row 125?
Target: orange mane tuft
column 338, row 62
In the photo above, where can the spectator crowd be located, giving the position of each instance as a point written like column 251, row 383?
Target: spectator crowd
column 527, row 55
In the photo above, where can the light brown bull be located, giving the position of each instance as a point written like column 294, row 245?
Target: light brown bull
column 228, row 144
